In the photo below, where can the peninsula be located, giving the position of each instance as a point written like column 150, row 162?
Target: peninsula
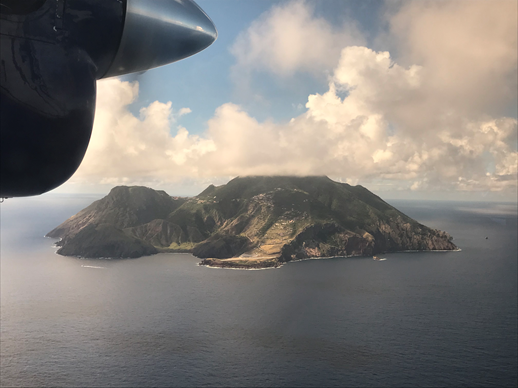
column 251, row 222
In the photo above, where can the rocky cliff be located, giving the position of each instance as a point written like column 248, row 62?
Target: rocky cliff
column 103, row 229
column 258, row 219
column 105, row 241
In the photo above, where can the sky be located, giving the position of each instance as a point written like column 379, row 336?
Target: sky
column 411, row 99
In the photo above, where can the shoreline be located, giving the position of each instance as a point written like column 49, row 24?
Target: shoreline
column 222, row 264
column 281, row 264
column 238, row 268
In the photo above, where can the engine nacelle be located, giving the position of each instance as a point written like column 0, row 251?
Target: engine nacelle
column 53, row 51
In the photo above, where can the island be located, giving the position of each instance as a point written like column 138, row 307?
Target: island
column 249, row 223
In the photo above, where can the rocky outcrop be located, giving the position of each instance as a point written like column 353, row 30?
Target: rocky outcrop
column 330, row 240
column 241, row 264
column 222, row 247
column 104, row 241
column 326, row 240
column 405, row 236
column 160, row 233
column 123, row 207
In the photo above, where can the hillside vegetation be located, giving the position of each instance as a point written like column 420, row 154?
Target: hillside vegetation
column 262, row 220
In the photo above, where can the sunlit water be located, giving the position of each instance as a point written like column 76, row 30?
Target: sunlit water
column 415, row 319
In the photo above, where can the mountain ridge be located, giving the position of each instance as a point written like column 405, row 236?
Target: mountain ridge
column 257, row 219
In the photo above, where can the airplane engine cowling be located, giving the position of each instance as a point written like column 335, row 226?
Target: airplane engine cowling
column 51, row 54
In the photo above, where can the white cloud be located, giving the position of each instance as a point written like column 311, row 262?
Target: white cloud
column 127, row 148
column 411, row 126
column 469, row 49
column 184, row 111
column 290, row 38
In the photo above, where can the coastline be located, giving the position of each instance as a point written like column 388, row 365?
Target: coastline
column 223, row 264
column 242, row 263
column 250, row 264
column 238, row 268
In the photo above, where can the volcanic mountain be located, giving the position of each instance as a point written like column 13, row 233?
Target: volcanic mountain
column 255, row 221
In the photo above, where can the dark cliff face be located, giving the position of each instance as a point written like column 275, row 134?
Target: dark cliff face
column 123, row 207
column 268, row 217
column 330, row 240
column 104, row 229
column 222, row 247
column 326, row 240
column 96, row 241
column 159, row 233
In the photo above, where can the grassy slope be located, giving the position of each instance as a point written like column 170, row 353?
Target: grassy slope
column 123, row 207
column 271, row 211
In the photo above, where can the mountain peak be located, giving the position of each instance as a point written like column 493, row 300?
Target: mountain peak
column 123, row 207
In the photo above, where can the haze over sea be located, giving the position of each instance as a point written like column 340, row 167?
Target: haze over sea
column 415, row 319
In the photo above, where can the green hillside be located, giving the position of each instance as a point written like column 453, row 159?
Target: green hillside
column 261, row 218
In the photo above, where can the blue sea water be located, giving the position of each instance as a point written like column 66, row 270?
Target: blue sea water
column 415, row 319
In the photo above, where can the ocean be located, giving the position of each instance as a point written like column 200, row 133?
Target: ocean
column 414, row 319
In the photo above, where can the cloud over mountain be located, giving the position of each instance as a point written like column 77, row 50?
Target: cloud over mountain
column 433, row 118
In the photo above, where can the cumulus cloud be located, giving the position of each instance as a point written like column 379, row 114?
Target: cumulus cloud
column 408, row 124
column 469, row 50
column 124, row 148
column 290, row 38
